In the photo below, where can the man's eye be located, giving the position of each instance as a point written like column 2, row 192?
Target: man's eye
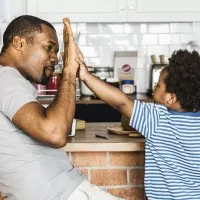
column 48, row 48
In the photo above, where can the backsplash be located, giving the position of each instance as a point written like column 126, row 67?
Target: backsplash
column 98, row 41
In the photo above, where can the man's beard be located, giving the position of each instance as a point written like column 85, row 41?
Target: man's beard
column 44, row 79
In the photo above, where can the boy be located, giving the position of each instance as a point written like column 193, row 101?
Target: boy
column 171, row 126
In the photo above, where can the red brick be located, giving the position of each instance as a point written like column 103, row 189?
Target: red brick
column 133, row 193
column 88, row 159
column 109, row 177
column 126, row 158
column 136, row 176
column 84, row 171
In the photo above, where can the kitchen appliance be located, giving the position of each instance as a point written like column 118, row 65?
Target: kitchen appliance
column 154, row 77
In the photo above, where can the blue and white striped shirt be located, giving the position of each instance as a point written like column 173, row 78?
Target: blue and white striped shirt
column 172, row 151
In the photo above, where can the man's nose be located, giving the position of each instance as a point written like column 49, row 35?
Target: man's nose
column 54, row 59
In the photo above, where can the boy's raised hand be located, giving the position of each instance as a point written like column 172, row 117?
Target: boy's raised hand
column 83, row 70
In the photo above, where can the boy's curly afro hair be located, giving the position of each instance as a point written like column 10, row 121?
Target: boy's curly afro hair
column 183, row 78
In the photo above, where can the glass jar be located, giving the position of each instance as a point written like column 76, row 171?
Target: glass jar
column 103, row 72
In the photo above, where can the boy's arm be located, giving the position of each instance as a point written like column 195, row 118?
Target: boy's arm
column 109, row 94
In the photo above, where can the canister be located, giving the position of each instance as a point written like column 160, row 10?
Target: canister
column 127, row 86
column 53, row 84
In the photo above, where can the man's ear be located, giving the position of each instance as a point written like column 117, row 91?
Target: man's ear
column 18, row 43
column 171, row 98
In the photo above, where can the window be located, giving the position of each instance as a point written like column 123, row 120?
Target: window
column 2, row 10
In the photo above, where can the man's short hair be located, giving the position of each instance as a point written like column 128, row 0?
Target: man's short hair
column 24, row 26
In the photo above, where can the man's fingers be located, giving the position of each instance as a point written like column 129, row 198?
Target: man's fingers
column 64, row 58
column 68, row 30
column 65, row 36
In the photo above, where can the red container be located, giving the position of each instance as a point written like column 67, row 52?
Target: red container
column 53, row 84
column 40, row 88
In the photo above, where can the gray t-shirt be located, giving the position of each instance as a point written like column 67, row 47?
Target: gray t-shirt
column 29, row 170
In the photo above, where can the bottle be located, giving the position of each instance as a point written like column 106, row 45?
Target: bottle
column 53, row 84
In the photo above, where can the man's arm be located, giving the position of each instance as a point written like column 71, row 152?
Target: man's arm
column 52, row 125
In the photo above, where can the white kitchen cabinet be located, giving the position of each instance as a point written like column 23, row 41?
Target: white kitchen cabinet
column 116, row 10
column 163, row 10
column 79, row 10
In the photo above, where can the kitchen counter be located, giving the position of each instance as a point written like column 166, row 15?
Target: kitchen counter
column 93, row 100
column 85, row 140
column 115, row 164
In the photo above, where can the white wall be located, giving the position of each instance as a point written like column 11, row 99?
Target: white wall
column 98, row 41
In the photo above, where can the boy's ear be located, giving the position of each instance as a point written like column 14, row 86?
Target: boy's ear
column 171, row 98
column 18, row 43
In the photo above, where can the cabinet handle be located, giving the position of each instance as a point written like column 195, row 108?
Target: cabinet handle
column 131, row 7
column 122, row 8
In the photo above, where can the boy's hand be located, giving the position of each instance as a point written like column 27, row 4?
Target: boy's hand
column 83, row 70
column 70, row 55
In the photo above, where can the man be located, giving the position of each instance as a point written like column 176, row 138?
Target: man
column 31, row 165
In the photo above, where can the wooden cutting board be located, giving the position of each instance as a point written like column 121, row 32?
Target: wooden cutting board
column 117, row 129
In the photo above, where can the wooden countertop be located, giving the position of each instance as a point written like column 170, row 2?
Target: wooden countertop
column 92, row 100
column 85, row 140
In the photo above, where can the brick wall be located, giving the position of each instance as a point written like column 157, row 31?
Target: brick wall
column 120, row 173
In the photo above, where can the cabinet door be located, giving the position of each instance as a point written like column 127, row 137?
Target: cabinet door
column 79, row 10
column 163, row 10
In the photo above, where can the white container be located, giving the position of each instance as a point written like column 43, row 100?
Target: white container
column 128, row 86
column 84, row 89
column 73, row 130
